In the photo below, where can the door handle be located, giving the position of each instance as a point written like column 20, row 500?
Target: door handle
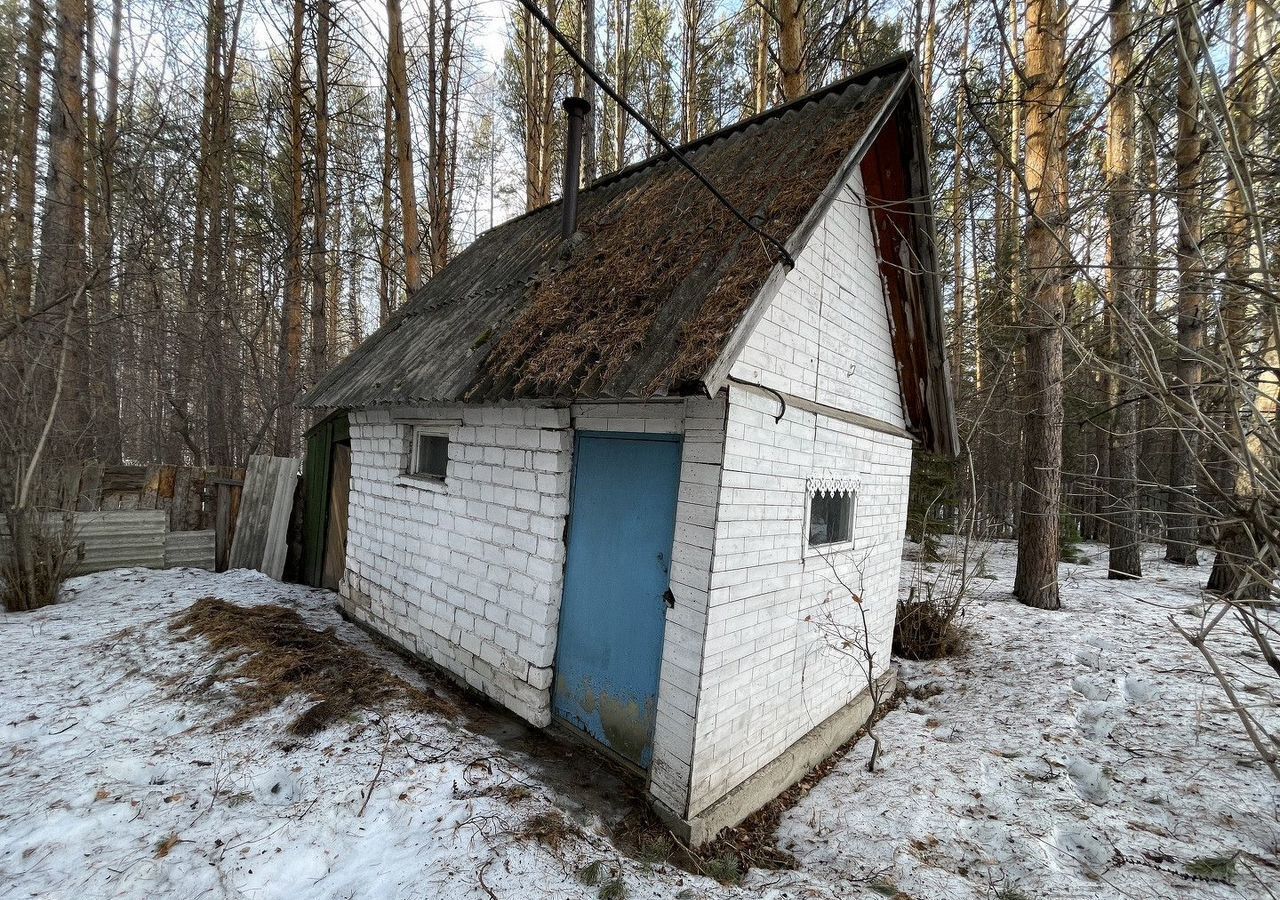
column 669, row 598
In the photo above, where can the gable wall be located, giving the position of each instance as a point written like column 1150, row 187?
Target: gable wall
column 770, row 676
column 826, row 336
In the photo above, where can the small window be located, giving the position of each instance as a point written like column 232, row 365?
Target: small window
column 429, row 453
column 830, row 517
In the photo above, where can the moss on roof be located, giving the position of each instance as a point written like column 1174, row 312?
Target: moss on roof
column 642, row 302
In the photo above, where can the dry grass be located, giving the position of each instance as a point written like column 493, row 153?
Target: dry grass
column 270, row 654
column 927, row 629
column 550, row 829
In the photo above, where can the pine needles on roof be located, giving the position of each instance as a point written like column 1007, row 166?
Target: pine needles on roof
column 663, row 262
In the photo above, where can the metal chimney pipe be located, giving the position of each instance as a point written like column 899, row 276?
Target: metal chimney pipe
column 577, row 108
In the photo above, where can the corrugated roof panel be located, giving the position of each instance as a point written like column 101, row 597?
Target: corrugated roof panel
column 643, row 301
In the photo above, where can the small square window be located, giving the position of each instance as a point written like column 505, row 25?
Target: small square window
column 429, row 453
column 830, row 517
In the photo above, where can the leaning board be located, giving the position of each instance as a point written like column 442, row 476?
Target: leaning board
column 265, row 507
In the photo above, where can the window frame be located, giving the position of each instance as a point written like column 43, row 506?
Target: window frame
column 431, row 429
column 813, row 488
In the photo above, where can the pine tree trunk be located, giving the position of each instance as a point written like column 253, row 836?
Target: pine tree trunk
column 386, row 283
column 760, row 86
column 792, row 78
column 1122, row 513
column 291, row 313
column 928, row 55
column 1036, row 581
column 441, row 116
column 320, row 213
column 1231, row 573
column 546, row 129
column 62, row 272
column 334, row 285
column 958, row 222
column 218, row 354
column 398, row 85
column 24, row 214
column 1182, row 528
column 100, row 175
column 622, row 62
column 589, row 92
column 690, row 57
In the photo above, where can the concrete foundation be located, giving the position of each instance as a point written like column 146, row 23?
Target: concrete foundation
column 784, row 771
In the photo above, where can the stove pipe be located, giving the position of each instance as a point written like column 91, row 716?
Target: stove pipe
column 577, row 108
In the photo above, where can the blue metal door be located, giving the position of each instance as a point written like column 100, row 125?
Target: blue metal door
column 613, row 612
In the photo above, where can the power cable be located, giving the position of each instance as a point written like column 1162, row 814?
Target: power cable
column 666, row 145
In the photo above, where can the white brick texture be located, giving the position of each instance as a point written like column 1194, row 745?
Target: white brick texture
column 770, row 669
column 826, row 336
column 467, row 573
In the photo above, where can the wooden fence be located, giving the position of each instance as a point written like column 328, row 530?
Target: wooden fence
column 192, row 498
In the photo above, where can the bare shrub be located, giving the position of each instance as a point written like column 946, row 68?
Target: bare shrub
column 853, row 640
column 40, row 556
column 927, row 626
column 929, row 619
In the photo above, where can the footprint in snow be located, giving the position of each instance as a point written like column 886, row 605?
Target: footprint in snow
column 1096, row 719
column 277, row 788
column 1090, row 657
column 1090, row 688
column 1082, row 848
column 1090, row 781
column 1137, row 690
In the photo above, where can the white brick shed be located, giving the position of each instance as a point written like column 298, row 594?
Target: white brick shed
column 630, row 483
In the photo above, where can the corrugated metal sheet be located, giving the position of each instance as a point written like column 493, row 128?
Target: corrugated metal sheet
column 193, row 549
column 115, row 539
column 646, row 301
column 112, row 540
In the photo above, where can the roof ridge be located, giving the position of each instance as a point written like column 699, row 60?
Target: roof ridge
column 901, row 60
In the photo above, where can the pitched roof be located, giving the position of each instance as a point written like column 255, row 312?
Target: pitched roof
column 645, row 300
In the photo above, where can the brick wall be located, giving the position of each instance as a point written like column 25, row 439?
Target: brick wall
column 770, row 673
column 467, row 573
column 826, row 337
column 702, row 423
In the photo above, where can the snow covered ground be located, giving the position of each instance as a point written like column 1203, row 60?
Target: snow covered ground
column 1082, row 753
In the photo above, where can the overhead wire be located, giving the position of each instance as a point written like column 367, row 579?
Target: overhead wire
column 604, row 85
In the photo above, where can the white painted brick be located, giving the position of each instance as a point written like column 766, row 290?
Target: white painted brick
column 440, row 567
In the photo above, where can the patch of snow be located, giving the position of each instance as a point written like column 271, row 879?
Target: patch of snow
column 1080, row 753
column 113, row 781
column 1074, row 754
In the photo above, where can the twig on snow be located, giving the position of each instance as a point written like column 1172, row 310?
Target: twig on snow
column 382, row 761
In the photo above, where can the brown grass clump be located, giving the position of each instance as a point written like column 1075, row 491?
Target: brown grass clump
column 271, row 654
column 927, row 629
column 550, row 829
